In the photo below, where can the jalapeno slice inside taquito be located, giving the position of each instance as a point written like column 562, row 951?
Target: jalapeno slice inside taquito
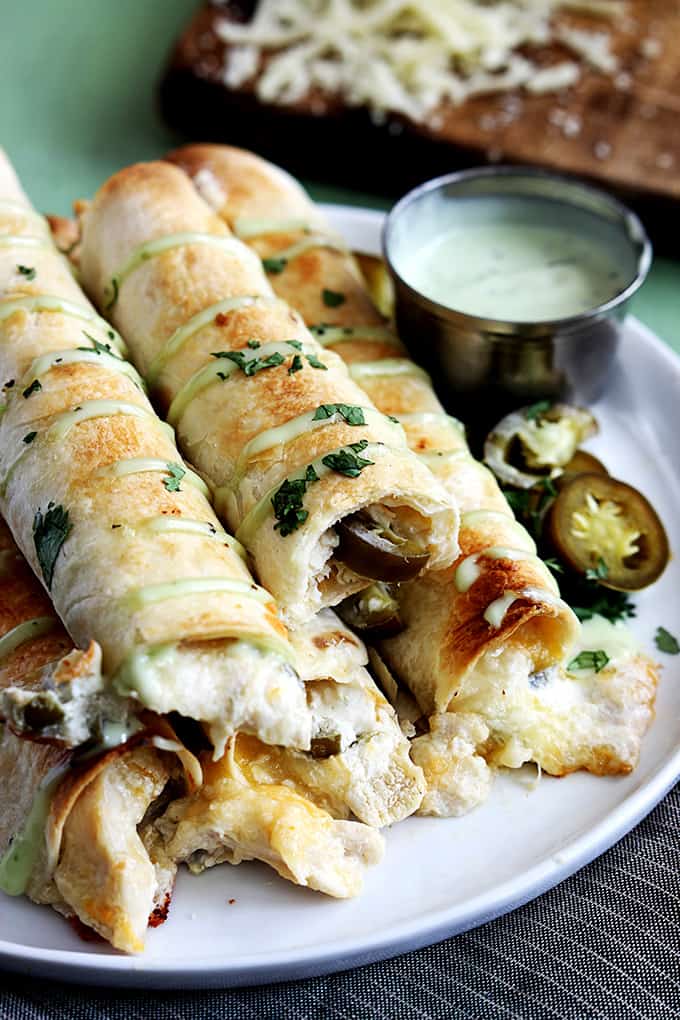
column 373, row 612
column 374, row 550
column 600, row 520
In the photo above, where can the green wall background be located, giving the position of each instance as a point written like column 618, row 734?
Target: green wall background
column 77, row 81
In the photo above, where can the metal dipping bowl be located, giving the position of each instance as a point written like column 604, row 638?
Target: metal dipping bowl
column 485, row 367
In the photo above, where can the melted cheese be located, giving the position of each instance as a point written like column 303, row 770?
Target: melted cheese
column 391, row 55
column 52, row 303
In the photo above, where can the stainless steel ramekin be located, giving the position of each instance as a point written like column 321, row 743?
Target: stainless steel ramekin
column 484, row 367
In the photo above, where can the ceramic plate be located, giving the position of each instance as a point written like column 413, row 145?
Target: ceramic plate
column 236, row 926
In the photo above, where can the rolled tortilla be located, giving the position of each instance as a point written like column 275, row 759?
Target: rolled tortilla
column 457, row 616
column 494, row 616
column 71, row 832
column 259, row 406
column 118, row 528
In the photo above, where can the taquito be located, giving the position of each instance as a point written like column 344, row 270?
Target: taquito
column 488, row 636
column 75, row 830
column 117, row 527
column 318, row 485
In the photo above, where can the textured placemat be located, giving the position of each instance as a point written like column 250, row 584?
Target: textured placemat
column 604, row 944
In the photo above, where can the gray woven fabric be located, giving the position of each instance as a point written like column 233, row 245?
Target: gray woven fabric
column 604, row 944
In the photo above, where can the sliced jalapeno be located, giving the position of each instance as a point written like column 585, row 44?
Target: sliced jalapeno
column 373, row 550
column 373, row 612
column 536, row 442
column 598, row 523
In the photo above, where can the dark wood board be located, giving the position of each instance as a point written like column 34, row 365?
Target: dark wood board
column 628, row 136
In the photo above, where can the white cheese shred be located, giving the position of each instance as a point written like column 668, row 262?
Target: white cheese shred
column 410, row 59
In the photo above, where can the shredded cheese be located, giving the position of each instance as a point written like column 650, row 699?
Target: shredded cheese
column 408, row 58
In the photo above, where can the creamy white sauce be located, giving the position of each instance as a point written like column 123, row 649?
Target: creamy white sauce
column 263, row 508
column 494, row 614
column 196, row 323
column 162, row 244
column 52, row 303
column 307, row 244
column 73, row 356
column 21, row 856
column 141, row 465
column 328, row 336
column 23, row 241
column 186, row 526
column 140, row 598
column 519, row 260
column 281, row 435
column 102, row 409
column 386, row 367
column 220, row 369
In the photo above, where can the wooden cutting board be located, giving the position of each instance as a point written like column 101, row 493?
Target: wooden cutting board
column 621, row 131
column 624, row 131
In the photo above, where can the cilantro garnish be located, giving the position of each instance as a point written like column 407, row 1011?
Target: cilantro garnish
column 297, row 344
column 347, row 461
column 590, row 660
column 554, row 565
column 254, row 344
column 598, row 573
column 287, row 502
column 536, row 410
column 33, row 388
column 332, row 298
column 175, row 475
column 274, row 264
column 249, row 366
column 665, row 642
column 352, row 414
column 27, row 271
column 50, row 531
column 97, row 347
column 315, row 363
column 29, row 437
column 295, row 365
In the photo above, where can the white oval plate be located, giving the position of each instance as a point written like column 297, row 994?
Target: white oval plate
column 237, row 926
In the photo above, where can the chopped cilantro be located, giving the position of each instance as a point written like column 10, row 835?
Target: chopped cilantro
column 590, row 660
column 287, row 502
column 554, row 565
column 29, row 437
column 665, row 642
column 50, row 531
column 315, row 363
column 295, row 365
column 274, row 264
column 347, row 461
column 98, row 347
column 175, row 475
column 598, row 573
column 251, row 365
column 33, row 388
column 352, row 414
column 27, row 271
column 536, row 410
column 332, row 298
column 296, row 344
column 254, row 344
